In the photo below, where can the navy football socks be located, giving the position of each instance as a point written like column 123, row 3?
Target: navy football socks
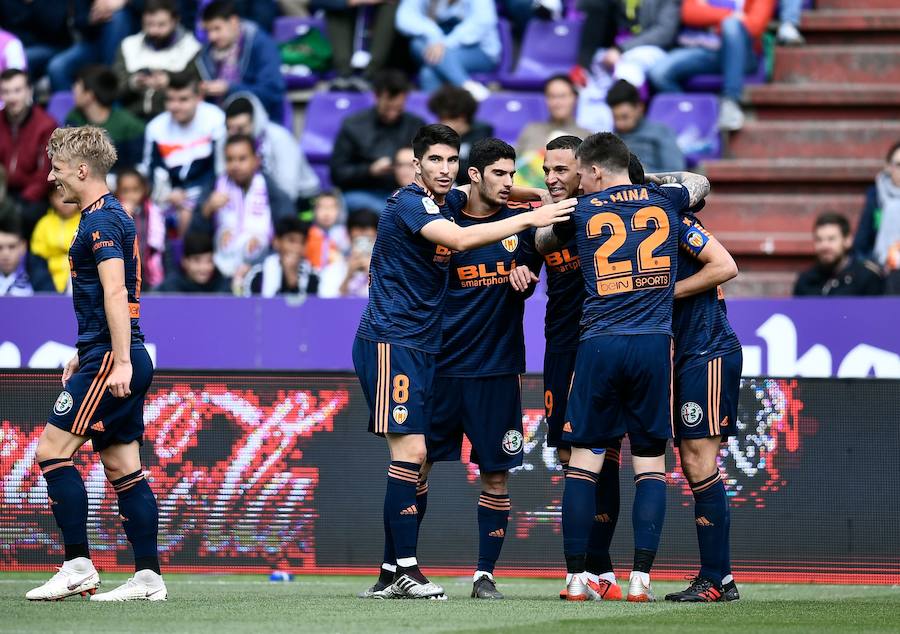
column 401, row 513
column 711, row 517
column 606, row 516
column 647, row 517
column 140, row 518
column 493, row 519
column 69, row 503
column 578, row 509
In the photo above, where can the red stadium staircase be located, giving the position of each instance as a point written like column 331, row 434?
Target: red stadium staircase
column 813, row 142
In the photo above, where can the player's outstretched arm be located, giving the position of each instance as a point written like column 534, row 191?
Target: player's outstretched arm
column 697, row 185
column 718, row 267
column 118, row 318
column 458, row 238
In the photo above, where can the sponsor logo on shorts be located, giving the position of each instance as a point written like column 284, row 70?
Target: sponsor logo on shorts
column 691, row 414
column 510, row 243
column 400, row 414
column 512, row 442
column 63, row 403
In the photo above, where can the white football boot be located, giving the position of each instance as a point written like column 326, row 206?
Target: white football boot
column 76, row 576
column 145, row 585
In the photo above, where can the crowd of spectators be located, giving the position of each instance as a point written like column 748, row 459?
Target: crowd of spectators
column 192, row 94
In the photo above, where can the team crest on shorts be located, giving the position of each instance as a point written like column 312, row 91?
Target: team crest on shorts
column 430, row 206
column 400, row 414
column 512, row 442
column 63, row 403
column 510, row 243
column 691, row 414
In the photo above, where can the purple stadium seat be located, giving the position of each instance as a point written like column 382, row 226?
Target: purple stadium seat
column 713, row 83
column 504, row 66
column 324, row 173
column 417, row 104
column 509, row 112
column 324, row 114
column 287, row 28
column 60, row 105
column 548, row 48
column 287, row 115
column 693, row 119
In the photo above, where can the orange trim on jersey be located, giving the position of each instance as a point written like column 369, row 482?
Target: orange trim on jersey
column 59, row 465
column 89, row 404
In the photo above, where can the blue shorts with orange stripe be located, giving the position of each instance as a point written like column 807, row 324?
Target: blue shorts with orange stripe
column 622, row 385
column 397, row 383
column 706, row 398
column 558, row 368
column 86, row 408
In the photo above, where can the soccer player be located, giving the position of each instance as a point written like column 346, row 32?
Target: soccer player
column 708, row 363
column 623, row 367
column 400, row 332
column 478, row 389
column 105, row 383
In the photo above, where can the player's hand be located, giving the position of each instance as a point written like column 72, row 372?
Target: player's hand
column 521, row 278
column 119, row 381
column 434, row 53
column 547, row 215
column 69, row 369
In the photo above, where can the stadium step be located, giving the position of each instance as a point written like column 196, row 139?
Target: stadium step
column 813, row 139
column 792, row 175
column 877, row 101
column 750, row 283
column 852, row 26
column 856, row 4
column 837, row 64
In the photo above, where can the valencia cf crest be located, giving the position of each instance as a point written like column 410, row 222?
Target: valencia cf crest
column 510, row 243
column 400, row 414
column 695, row 239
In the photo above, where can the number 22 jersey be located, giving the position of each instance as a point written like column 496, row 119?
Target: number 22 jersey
column 628, row 246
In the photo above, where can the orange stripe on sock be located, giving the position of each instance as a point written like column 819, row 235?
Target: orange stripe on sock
column 581, row 476
column 59, row 465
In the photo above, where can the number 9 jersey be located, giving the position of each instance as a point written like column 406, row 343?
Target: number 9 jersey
column 628, row 243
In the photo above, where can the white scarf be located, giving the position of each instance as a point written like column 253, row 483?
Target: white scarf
column 889, row 228
column 244, row 225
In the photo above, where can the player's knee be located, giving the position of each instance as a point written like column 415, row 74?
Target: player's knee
column 51, row 446
column 698, row 459
column 495, row 482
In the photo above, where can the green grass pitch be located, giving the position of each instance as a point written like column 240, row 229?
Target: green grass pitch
column 221, row 604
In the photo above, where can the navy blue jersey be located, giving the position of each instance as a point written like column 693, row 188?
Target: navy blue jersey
column 628, row 242
column 482, row 332
column 565, row 298
column 700, row 322
column 105, row 232
column 407, row 273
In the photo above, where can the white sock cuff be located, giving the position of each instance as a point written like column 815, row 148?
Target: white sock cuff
column 407, row 562
column 389, row 567
column 481, row 573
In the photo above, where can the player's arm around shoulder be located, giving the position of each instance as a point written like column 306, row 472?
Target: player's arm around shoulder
column 697, row 185
column 718, row 265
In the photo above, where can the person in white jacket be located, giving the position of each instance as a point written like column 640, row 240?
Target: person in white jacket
column 282, row 159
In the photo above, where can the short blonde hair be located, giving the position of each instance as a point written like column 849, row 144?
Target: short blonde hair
column 88, row 144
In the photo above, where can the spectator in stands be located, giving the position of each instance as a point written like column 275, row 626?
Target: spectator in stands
column 42, row 27
column 145, row 59
column 100, row 26
column 561, row 98
column 241, row 210
column 838, row 273
column 727, row 40
column 198, row 273
column 451, row 39
column 878, row 233
column 24, row 131
column 183, row 149
column 53, row 236
column 240, row 57
column 282, row 158
column 345, row 23
column 362, row 158
column 654, row 143
column 789, row 17
column 14, row 280
column 133, row 192
column 404, row 168
column 12, row 53
column 327, row 240
column 95, row 90
column 519, row 12
column 455, row 107
column 286, row 271
column 350, row 277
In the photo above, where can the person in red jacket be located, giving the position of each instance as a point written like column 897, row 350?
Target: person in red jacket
column 24, row 131
column 723, row 36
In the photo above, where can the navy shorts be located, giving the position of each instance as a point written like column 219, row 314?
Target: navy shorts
column 488, row 410
column 86, row 408
column 397, row 383
column 706, row 398
column 622, row 385
column 558, row 368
